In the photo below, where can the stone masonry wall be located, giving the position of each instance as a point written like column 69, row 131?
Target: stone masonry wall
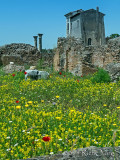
column 19, row 53
column 23, row 54
column 78, row 59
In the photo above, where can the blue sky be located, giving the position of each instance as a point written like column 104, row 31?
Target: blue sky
column 20, row 20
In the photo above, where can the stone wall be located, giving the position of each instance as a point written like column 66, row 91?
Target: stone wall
column 48, row 57
column 19, row 53
column 78, row 59
column 23, row 54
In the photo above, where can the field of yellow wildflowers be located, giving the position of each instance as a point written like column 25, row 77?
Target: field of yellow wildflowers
column 59, row 114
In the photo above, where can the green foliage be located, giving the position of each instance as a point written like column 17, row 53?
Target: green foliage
column 40, row 64
column 1, row 71
column 33, row 109
column 114, row 35
column 101, row 76
column 19, row 76
column 26, row 66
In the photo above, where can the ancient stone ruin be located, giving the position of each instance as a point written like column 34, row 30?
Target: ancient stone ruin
column 81, row 53
column 73, row 56
column 24, row 54
column 19, row 53
column 85, row 48
column 87, row 25
column 40, row 41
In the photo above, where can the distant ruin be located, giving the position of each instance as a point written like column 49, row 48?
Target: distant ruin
column 81, row 52
column 24, row 54
column 40, row 41
column 73, row 56
column 86, row 25
column 85, row 49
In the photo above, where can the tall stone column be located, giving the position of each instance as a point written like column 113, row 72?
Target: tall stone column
column 35, row 41
column 40, row 42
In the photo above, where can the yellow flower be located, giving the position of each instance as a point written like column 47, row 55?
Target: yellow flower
column 26, row 105
column 114, row 124
column 118, row 107
column 42, row 101
column 57, row 96
column 59, row 118
column 30, row 102
column 11, row 152
column 87, row 144
column 71, row 110
column 105, row 105
column 18, row 107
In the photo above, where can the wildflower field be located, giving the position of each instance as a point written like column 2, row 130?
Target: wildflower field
column 61, row 113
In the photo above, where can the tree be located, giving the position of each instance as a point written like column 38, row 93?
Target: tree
column 114, row 35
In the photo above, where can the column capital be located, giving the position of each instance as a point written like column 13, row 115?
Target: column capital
column 35, row 37
column 40, row 35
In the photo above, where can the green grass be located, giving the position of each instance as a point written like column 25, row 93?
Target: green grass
column 74, row 111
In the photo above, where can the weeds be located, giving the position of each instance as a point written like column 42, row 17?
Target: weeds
column 69, row 111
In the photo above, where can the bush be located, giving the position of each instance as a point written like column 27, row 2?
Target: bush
column 101, row 76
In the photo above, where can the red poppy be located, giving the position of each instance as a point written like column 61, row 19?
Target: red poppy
column 81, row 75
column 25, row 72
column 46, row 138
column 77, row 80
column 64, row 75
column 17, row 101
column 60, row 73
column 13, row 75
column 20, row 70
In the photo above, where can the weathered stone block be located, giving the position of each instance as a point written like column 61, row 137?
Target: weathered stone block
column 35, row 74
column 114, row 70
column 10, row 68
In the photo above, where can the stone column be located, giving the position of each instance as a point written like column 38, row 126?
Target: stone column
column 40, row 42
column 35, row 41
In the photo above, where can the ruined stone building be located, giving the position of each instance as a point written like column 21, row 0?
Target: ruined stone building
column 87, row 25
column 81, row 58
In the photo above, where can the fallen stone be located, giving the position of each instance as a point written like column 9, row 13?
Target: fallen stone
column 43, row 75
column 32, row 67
column 114, row 71
column 32, row 74
column 10, row 68
column 88, row 153
column 35, row 74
